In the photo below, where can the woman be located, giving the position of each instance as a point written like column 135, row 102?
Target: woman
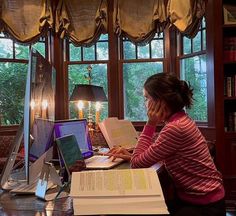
column 180, row 145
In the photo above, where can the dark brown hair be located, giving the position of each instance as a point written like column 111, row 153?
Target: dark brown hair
column 176, row 93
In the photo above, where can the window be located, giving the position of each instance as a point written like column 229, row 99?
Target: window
column 79, row 59
column 13, row 70
column 193, row 70
column 138, row 63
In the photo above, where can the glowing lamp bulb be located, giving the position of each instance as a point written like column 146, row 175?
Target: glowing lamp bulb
column 98, row 106
column 80, row 105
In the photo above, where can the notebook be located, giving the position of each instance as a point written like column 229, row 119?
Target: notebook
column 79, row 129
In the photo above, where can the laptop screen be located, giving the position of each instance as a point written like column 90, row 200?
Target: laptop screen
column 79, row 129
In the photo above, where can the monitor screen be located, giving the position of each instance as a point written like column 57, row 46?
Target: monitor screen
column 39, row 99
column 79, row 128
column 42, row 134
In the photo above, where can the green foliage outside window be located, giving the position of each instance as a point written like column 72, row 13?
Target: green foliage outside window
column 193, row 70
column 135, row 74
column 12, row 92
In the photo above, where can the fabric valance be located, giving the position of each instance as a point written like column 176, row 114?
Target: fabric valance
column 25, row 20
column 82, row 21
column 186, row 15
column 139, row 20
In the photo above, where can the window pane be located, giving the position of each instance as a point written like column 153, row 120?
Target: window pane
column 129, row 50
column 157, row 49
column 75, row 53
column 186, row 45
column 22, row 52
column 143, row 52
column 203, row 22
column 193, row 70
column 12, row 92
column 204, row 39
column 135, row 74
column 102, row 51
column 40, row 47
column 77, row 75
column 103, row 37
column 89, row 53
column 197, row 42
column 6, row 48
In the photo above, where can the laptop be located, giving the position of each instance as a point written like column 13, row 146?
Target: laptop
column 79, row 128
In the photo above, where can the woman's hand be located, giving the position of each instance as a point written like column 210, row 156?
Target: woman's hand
column 157, row 112
column 119, row 152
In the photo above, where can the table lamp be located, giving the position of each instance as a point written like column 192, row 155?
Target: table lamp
column 90, row 93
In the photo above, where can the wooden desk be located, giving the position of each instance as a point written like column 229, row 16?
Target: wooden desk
column 29, row 205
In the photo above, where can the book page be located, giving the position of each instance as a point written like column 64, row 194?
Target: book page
column 119, row 132
column 125, row 182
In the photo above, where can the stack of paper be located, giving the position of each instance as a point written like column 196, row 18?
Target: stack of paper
column 106, row 192
column 118, row 132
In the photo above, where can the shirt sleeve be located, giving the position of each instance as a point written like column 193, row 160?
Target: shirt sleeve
column 147, row 153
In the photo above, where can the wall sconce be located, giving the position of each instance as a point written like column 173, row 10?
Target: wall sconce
column 90, row 93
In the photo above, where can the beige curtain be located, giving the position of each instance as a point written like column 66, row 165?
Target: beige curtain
column 82, row 21
column 186, row 15
column 25, row 20
column 139, row 20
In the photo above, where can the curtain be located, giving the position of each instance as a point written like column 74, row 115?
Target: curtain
column 82, row 21
column 186, row 15
column 139, row 20
column 25, row 20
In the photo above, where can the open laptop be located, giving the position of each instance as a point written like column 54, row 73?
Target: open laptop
column 79, row 129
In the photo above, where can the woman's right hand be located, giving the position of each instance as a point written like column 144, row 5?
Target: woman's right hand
column 156, row 112
column 119, row 152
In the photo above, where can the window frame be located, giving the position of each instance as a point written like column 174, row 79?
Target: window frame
column 68, row 62
column 210, row 74
column 122, row 61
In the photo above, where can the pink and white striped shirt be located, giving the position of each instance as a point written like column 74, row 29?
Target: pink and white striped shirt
column 183, row 149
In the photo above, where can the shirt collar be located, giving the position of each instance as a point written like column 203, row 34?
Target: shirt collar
column 176, row 116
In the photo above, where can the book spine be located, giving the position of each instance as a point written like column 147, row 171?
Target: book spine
column 229, row 86
column 230, row 49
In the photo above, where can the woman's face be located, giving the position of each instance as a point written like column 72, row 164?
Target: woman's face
column 147, row 98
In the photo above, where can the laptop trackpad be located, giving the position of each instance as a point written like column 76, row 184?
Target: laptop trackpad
column 101, row 162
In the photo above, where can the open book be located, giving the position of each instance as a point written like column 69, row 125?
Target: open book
column 106, row 191
column 118, row 132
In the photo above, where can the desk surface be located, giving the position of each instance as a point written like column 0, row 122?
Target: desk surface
column 29, row 205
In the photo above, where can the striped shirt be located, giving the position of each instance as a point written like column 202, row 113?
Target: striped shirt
column 184, row 151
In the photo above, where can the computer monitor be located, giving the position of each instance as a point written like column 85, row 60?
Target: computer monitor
column 39, row 98
column 79, row 128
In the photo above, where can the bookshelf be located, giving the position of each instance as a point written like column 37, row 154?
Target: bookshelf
column 225, row 79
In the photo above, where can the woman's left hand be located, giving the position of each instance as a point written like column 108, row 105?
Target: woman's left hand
column 119, row 152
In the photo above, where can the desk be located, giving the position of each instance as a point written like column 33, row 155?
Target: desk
column 28, row 205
